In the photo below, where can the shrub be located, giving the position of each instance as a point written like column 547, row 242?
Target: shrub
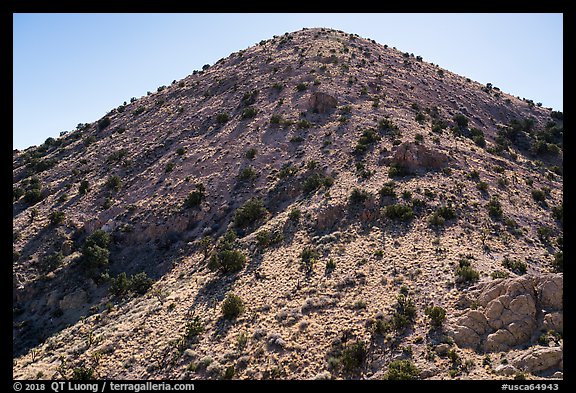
column 544, row 234
column 33, row 196
column 388, row 190
column 248, row 113
column 402, row 370
column 180, row 151
column 460, row 120
column 397, row 170
column 358, row 196
column 494, row 208
column 247, row 173
column 353, row 355
column 516, row 266
column 95, row 249
column 83, row 373
column 436, row 314
column 538, row 195
column 249, row 97
column 169, row 167
column 117, row 156
column 420, row 117
column 399, row 211
column 315, row 181
column 330, row 264
column 194, row 328
column 276, row 119
column 266, row 238
column 465, row 272
column 222, row 118
column 482, row 186
column 103, row 123
column 309, row 255
column 251, row 153
column 301, row 87
column 17, row 193
column 84, row 187
column 499, row 274
column 294, row 214
column 113, row 183
column 558, row 262
column 195, row 197
column 232, row 306
column 140, row 283
column 369, row 137
column 252, row 211
column 303, row 124
column 56, row 217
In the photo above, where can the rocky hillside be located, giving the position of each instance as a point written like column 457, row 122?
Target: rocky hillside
column 318, row 205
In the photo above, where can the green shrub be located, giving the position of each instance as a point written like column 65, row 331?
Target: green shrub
column 194, row 328
column 117, row 156
column 33, row 196
column 397, row 170
column 232, row 306
column 138, row 111
column 227, row 261
column 402, row 370
column 222, row 118
column 180, row 151
column 103, row 123
column 399, row 211
column 388, row 190
column 358, row 197
column 56, row 217
column 266, row 238
column 499, row 274
column 309, row 255
column 558, row 262
column 516, row 266
column 353, row 355
column 294, row 214
column 83, row 373
column 247, row 173
column 494, row 208
column 538, row 195
column 436, row 314
column 252, row 211
column 315, row 181
column 113, row 183
column 95, row 251
column 140, row 283
column 465, row 272
column 169, row 167
column 301, row 87
column 248, row 113
column 460, row 120
column 482, row 186
column 330, row 264
column 276, row 119
column 84, row 187
column 303, row 124
column 251, row 153
column 17, row 193
column 249, row 97
column 195, row 197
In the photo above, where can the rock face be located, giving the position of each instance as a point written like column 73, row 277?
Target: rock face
column 540, row 359
column 74, row 301
column 321, row 102
column 415, row 156
column 510, row 312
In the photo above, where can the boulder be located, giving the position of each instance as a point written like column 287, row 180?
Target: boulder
column 507, row 315
column 321, row 102
column 416, row 156
column 505, row 369
column 74, row 301
column 67, row 246
column 554, row 321
column 540, row 359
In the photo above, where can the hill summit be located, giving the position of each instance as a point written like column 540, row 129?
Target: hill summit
column 316, row 206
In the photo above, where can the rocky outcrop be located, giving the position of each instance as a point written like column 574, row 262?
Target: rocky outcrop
column 509, row 312
column 540, row 359
column 74, row 300
column 328, row 216
column 321, row 102
column 415, row 156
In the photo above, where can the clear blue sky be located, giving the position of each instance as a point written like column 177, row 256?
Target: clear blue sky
column 73, row 68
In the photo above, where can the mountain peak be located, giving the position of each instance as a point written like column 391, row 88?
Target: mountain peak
column 295, row 210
